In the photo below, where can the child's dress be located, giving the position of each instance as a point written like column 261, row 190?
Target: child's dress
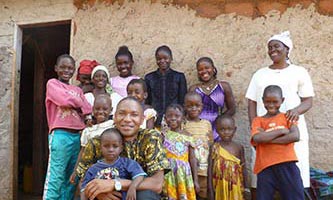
column 201, row 131
column 227, row 174
column 178, row 183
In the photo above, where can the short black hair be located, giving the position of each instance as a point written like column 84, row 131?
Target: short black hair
column 273, row 89
column 175, row 106
column 65, row 56
column 129, row 98
column 112, row 131
column 209, row 60
column 123, row 50
column 164, row 48
column 225, row 116
column 138, row 81
column 192, row 93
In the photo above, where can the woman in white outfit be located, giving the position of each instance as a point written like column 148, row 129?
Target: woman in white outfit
column 297, row 90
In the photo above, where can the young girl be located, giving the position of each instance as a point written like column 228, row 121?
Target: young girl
column 137, row 88
column 84, row 75
column 200, row 130
column 226, row 162
column 66, row 108
column 178, row 184
column 112, row 166
column 101, row 110
column 124, row 63
column 165, row 86
column 216, row 95
column 100, row 78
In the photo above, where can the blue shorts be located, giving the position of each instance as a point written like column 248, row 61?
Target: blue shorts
column 284, row 178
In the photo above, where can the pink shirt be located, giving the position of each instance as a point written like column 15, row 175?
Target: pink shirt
column 119, row 84
column 65, row 106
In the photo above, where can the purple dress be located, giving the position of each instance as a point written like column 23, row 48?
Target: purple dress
column 212, row 105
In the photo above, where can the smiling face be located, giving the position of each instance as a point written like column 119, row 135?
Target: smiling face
column 136, row 90
column 277, row 51
column 174, row 118
column 111, row 146
column 206, row 71
column 124, row 65
column 226, row 129
column 193, row 106
column 65, row 69
column 163, row 60
column 128, row 118
column 102, row 108
column 272, row 102
column 100, row 79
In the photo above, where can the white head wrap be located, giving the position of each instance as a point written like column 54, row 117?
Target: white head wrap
column 100, row 67
column 283, row 37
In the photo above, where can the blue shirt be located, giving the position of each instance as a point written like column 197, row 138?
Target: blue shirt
column 123, row 168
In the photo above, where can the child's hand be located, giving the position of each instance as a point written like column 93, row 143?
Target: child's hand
column 89, row 122
column 72, row 178
column 131, row 193
column 196, row 187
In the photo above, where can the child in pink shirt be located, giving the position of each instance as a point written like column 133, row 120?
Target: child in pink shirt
column 124, row 63
column 66, row 108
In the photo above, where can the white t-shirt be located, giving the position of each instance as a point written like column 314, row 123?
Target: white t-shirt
column 294, row 81
column 115, row 98
column 95, row 130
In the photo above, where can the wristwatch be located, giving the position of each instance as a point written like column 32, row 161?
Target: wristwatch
column 117, row 184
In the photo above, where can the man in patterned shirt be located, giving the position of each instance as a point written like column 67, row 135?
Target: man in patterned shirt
column 144, row 146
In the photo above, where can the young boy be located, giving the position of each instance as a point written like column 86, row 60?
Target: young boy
column 274, row 136
column 66, row 107
column 112, row 166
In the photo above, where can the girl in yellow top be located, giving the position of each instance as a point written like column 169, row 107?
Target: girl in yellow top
column 225, row 166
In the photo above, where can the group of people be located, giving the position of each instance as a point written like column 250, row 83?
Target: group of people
column 125, row 137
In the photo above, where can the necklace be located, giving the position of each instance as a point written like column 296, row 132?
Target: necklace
column 209, row 86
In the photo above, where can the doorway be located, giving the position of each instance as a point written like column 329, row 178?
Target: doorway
column 41, row 44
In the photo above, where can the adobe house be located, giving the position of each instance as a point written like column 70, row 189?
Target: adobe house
column 232, row 32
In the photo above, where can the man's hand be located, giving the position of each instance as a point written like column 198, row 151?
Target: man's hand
column 98, row 186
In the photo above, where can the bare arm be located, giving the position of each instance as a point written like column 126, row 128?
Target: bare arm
column 293, row 136
column 131, row 192
column 229, row 99
column 243, row 164
column 267, row 137
column 211, row 192
column 251, row 110
column 73, row 176
column 303, row 107
column 194, row 167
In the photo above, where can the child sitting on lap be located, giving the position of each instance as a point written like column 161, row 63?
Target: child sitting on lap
column 112, row 166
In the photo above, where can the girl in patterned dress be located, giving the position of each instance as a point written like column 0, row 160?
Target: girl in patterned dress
column 226, row 162
column 182, row 181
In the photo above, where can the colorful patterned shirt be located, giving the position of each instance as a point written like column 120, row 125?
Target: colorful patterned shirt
column 147, row 149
